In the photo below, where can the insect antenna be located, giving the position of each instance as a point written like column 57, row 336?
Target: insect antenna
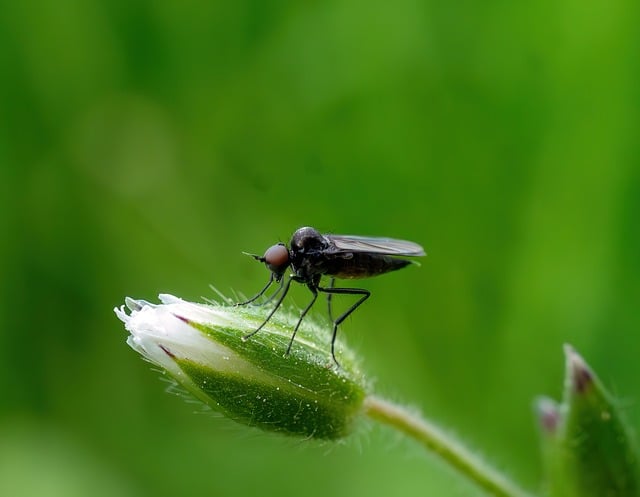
column 258, row 258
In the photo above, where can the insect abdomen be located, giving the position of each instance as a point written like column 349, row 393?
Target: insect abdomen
column 361, row 265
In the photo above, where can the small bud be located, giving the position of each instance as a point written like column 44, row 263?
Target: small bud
column 201, row 347
column 591, row 452
column 549, row 416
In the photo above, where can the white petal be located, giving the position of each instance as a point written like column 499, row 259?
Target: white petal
column 161, row 334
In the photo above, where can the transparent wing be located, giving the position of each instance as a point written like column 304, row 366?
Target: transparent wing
column 386, row 246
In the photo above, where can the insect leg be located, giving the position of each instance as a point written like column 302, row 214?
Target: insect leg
column 273, row 295
column 331, row 282
column 259, row 294
column 344, row 291
column 304, row 313
column 273, row 311
column 268, row 299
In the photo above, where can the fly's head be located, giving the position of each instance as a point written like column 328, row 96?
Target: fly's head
column 277, row 260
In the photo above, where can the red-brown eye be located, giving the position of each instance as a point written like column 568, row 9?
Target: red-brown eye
column 277, row 256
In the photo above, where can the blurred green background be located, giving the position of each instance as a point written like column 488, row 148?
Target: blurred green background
column 145, row 145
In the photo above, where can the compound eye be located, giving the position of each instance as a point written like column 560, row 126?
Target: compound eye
column 277, row 256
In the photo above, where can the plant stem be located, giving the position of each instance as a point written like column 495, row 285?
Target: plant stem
column 434, row 439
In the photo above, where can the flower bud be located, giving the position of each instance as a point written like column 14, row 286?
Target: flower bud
column 251, row 381
column 587, row 446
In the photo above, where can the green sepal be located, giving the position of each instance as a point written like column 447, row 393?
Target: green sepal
column 290, row 408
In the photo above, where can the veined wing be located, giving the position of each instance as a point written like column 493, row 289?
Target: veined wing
column 373, row 245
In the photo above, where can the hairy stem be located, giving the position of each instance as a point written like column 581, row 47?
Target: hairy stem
column 434, row 439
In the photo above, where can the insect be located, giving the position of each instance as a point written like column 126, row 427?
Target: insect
column 311, row 255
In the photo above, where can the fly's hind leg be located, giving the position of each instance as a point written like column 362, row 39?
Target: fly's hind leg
column 364, row 295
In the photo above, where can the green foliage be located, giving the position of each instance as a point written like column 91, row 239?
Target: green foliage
column 145, row 145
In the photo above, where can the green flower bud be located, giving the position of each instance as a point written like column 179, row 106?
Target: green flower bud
column 303, row 394
column 587, row 445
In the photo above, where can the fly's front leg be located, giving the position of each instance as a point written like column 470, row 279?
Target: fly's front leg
column 274, row 294
column 311, row 287
column 260, row 293
column 273, row 311
column 344, row 291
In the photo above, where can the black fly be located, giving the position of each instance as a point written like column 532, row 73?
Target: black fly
column 312, row 255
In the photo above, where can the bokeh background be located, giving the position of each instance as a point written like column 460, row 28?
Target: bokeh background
column 145, row 145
